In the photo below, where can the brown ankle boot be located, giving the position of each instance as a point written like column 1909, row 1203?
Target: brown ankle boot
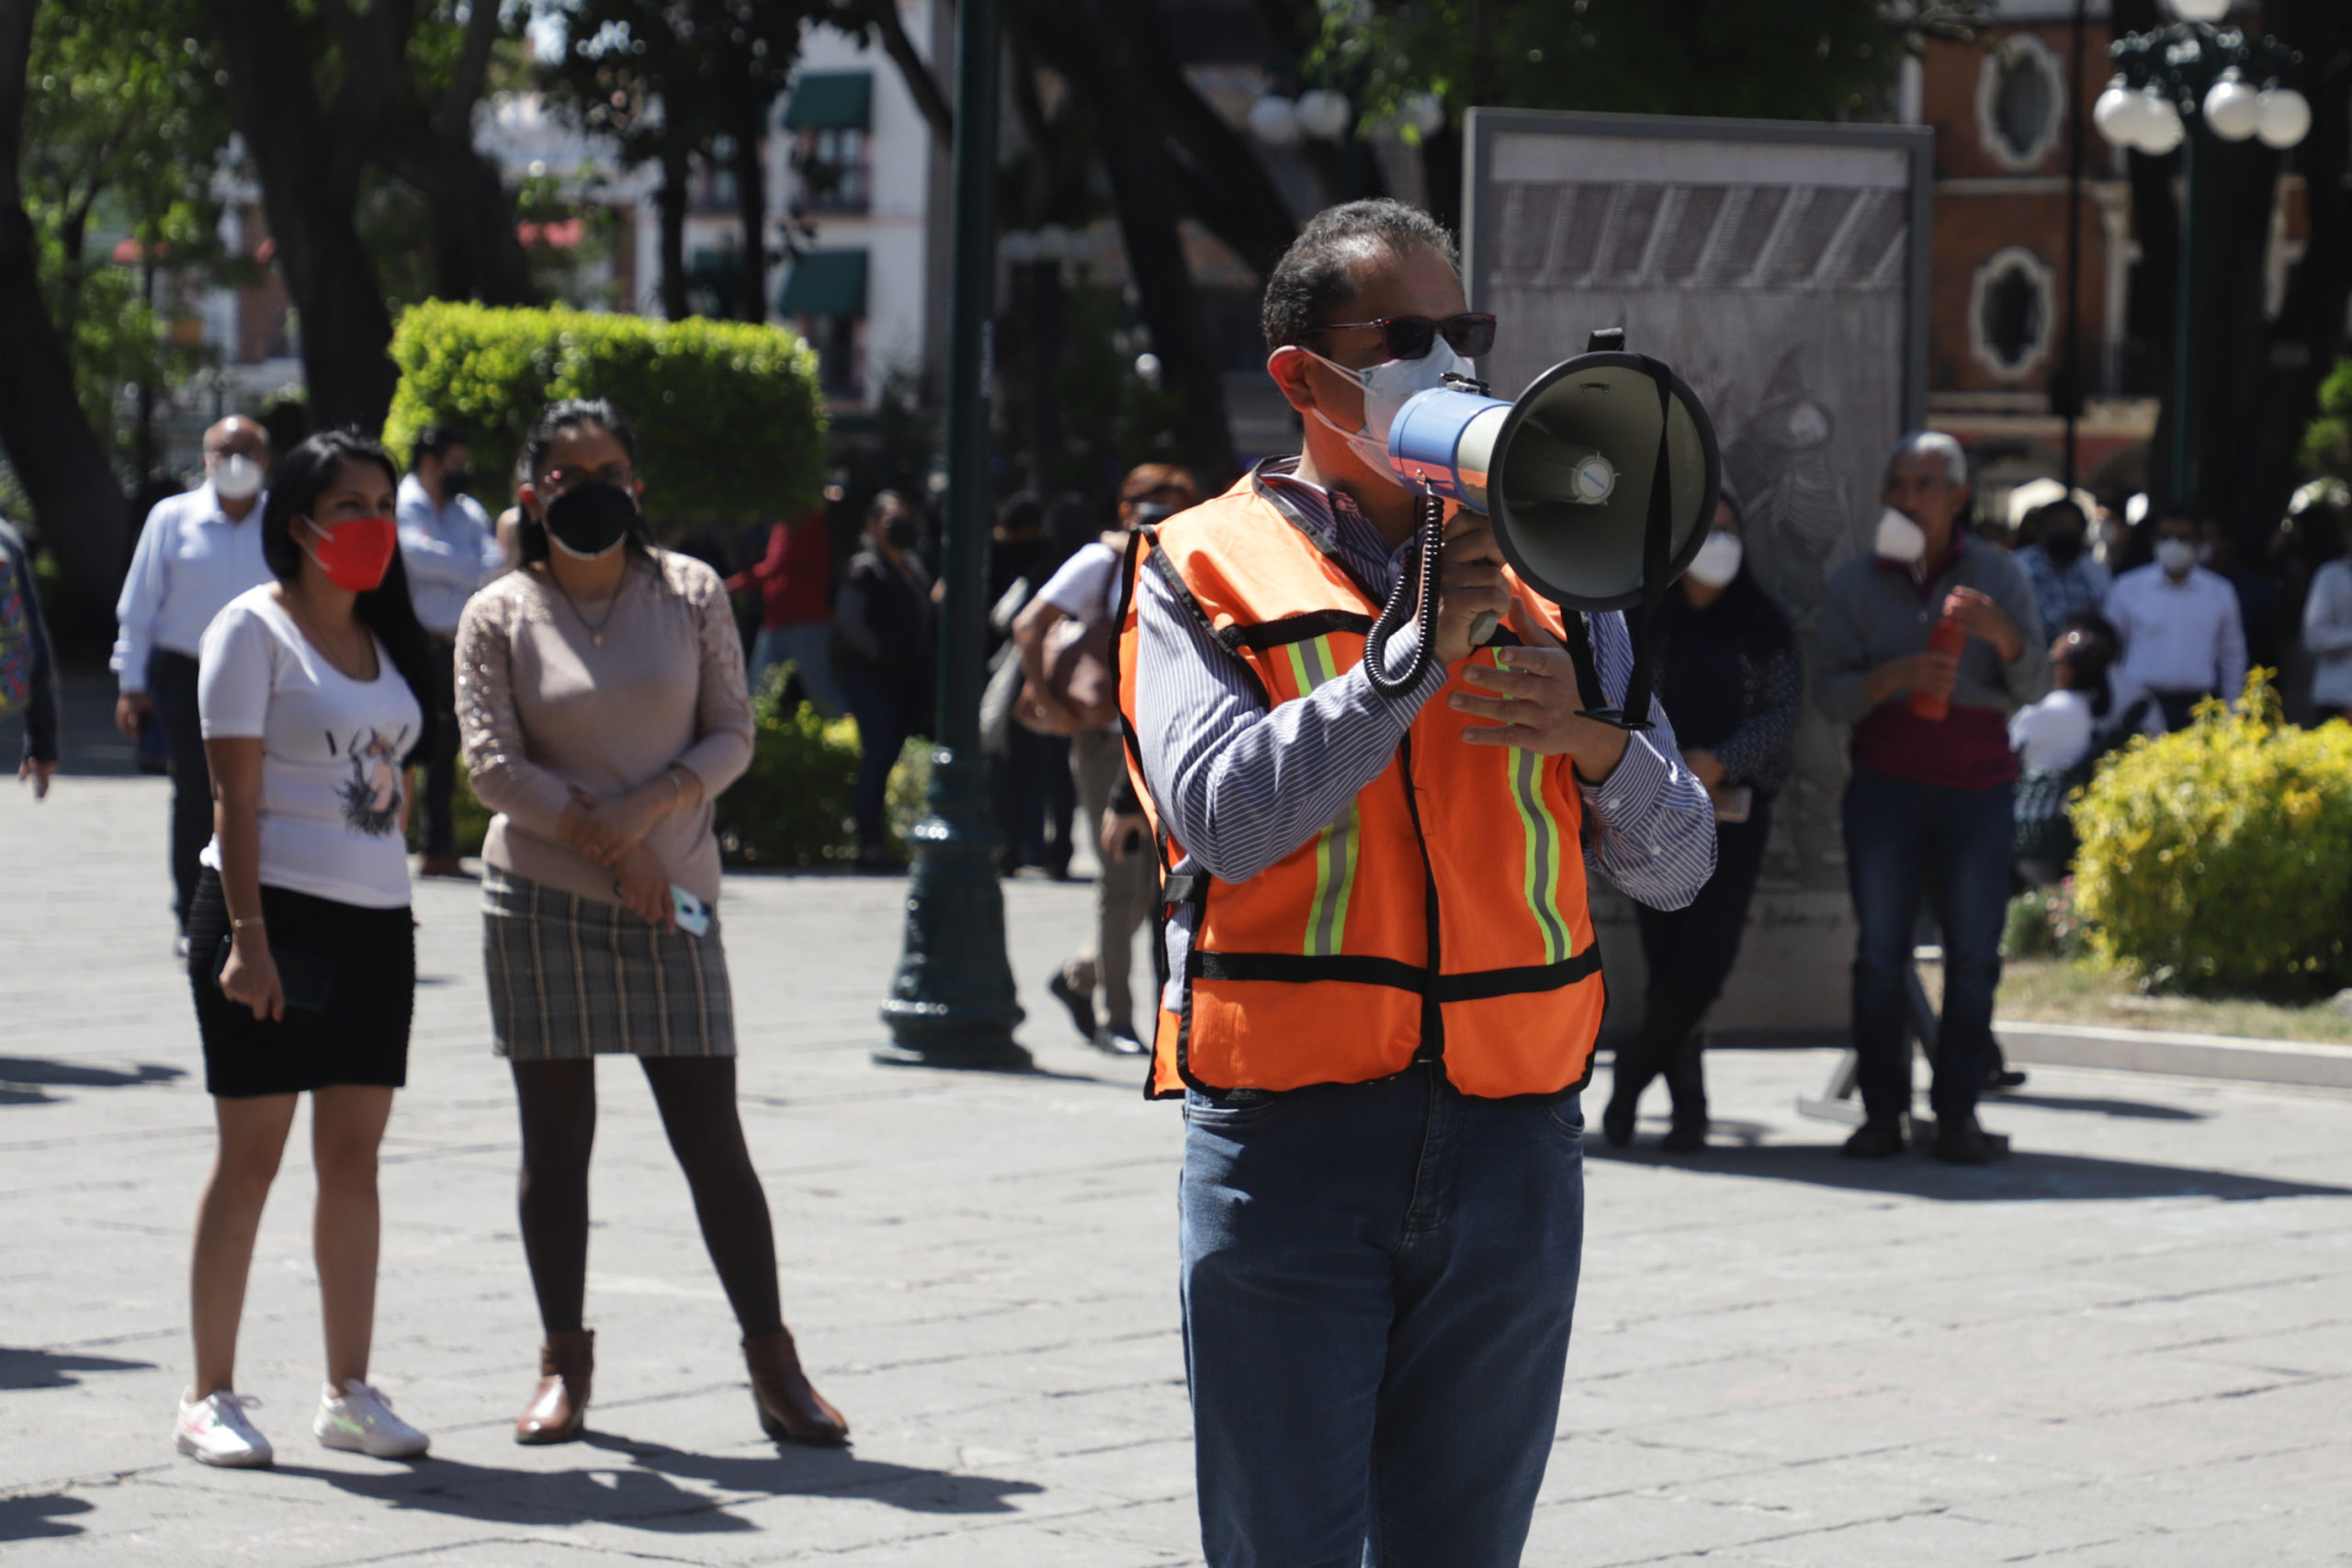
column 559, row 1411
column 790, row 1410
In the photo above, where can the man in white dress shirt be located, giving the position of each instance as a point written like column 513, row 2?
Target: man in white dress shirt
column 197, row 551
column 2183, row 638
column 449, row 548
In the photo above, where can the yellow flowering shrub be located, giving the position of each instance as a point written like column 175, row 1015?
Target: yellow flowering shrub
column 2219, row 858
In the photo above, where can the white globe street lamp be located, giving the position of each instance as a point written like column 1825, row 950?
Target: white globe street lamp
column 2161, row 131
column 1273, row 120
column 1325, row 114
column 2120, row 115
column 2285, row 117
column 2200, row 10
column 2234, row 109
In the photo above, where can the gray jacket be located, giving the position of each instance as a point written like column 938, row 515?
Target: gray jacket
column 1872, row 615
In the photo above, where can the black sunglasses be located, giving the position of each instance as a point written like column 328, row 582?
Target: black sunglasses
column 1470, row 334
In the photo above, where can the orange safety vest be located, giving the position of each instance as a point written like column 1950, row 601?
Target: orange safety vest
column 1441, row 918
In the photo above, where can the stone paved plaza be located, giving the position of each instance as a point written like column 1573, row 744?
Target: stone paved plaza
column 2130, row 1345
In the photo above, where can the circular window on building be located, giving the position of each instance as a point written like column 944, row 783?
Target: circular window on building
column 2020, row 99
column 2009, row 313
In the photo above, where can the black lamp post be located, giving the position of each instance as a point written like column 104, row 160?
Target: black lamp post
column 952, row 1000
column 2181, row 86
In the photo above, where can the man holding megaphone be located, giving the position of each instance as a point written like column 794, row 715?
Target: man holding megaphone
column 1384, row 989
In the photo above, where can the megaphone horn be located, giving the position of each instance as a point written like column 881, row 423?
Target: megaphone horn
column 1600, row 478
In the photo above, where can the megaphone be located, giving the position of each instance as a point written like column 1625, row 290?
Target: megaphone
column 1600, row 479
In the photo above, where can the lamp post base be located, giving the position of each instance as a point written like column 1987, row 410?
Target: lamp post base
column 952, row 1001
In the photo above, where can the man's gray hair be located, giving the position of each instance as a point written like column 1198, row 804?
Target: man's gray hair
column 1937, row 443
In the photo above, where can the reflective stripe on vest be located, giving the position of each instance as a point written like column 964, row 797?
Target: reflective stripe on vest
column 1314, row 662
column 1541, row 884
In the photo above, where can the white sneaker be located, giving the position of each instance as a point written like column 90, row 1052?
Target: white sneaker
column 361, row 1421
column 213, row 1430
column 1119, row 1042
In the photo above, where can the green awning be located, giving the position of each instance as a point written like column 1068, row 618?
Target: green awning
column 826, row 99
column 825, row 283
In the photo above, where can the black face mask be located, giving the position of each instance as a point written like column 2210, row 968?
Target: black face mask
column 2062, row 547
column 592, row 518
column 456, row 480
column 900, row 532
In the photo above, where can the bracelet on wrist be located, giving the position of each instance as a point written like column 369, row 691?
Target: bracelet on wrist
column 237, row 925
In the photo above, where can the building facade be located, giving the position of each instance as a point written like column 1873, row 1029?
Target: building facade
column 2005, row 286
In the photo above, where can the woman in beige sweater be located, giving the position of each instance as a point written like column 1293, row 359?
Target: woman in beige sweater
column 601, row 704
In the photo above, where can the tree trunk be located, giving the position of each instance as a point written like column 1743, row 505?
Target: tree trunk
column 1442, row 175
column 60, row 461
column 1133, row 142
column 477, row 253
column 309, row 180
column 752, row 209
column 671, row 202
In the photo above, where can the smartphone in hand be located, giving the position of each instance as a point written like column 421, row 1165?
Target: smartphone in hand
column 693, row 914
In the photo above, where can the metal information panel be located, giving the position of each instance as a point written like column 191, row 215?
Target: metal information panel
column 1782, row 268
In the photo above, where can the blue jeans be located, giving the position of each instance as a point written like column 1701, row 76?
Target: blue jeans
column 809, row 647
column 1905, row 840
column 1377, row 1280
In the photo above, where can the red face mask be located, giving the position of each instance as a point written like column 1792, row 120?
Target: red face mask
column 354, row 554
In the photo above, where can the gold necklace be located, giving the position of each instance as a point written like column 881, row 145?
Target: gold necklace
column 595, row 630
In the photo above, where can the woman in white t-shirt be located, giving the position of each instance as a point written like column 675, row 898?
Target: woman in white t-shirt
column 2050, row 738
column 1087, row 589
column 302, row 951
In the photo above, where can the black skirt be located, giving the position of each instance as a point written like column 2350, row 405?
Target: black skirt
column 362, row 965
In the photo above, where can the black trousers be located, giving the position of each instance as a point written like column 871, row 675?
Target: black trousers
column 440, row 829
column 171, row 683
column 1690, row 953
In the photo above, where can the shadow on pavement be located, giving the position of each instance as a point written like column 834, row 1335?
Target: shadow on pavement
column 2134, row 1110
column 23, row 1369
column 24, row 1078
column 636, row 1498
column 2023, row 1177
column 645, row 1493
column 30, row 1519
column 833, row 1472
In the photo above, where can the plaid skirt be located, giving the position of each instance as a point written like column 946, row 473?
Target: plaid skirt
column 573, row 977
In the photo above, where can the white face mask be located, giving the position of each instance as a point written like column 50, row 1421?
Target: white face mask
column 1388, row 387
column 1900, row 539
column 235, row 477
column 1718, row 560
column 2176, row 555
column 591, row 555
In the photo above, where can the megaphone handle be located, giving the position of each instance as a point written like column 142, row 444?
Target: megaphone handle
column 1430, row 515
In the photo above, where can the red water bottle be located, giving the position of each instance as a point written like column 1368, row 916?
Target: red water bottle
column 1947, row 636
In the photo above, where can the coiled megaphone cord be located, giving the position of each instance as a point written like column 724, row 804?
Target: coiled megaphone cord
column 1429, row 516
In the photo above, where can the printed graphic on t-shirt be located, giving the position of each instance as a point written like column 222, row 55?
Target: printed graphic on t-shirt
column 371, row 797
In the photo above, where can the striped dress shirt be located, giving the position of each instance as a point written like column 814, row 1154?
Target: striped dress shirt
column 1242, row 785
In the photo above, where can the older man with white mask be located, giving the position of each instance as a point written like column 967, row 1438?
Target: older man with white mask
column 2183, row 633
column 1926, row 646
column 198, row 550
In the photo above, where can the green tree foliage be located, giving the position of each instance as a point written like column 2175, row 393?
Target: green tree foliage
column 2328, row 440
column 731, row 424
column 674, row 80
column 2219, row 858
column 1788, row 59
column 126, row 132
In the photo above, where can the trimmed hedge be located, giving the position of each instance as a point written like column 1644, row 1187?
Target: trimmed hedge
column 731, row 424
column 2219, row 858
